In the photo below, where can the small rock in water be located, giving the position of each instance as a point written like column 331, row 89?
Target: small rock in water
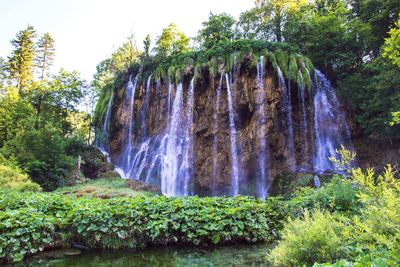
column 79, row 246
column 72, row 252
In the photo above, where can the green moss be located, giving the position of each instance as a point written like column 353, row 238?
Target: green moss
column 160, row 73
column 306, row 78
column 309, row 65
column 293, row 68
column 213, row 66
column 197, row 71
column 253, row 60
column 171, row 73
column 282, row 60
column 101, row 106
column 272, row 60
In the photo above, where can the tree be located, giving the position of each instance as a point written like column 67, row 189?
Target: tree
column 218, row 28
column 381, row 15
column 45, row 54
column 392, row 45
column 335, row 41
column 44, row 59
column 146, row 46
column 20, row 63
column 374, row 91
column 268, row 18
column 171, row 41
column 3, row 76
column 16, row 115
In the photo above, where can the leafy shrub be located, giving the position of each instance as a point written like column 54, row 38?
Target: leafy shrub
column 339, row 195
column 314, row 238
column 14, row 179
column 367, row 234
column 25, row 231
column 134, row 222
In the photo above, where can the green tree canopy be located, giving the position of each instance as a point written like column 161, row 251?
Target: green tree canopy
column 268, row 18
column 45, row 54
column 218, row 28
column 171, row 41
column 20, row 63
column 392, row 45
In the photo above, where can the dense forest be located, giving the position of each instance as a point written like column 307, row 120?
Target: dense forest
column 58, row 190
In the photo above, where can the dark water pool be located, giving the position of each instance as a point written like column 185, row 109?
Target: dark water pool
column 243, row 255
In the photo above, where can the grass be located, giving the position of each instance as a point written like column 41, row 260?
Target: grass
column 103, row 188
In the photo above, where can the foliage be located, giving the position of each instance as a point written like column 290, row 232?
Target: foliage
column 20, row 63
column 267, row 19
column 345, row 161
column 146, row 46
column 102, row 188
column 171, row 41
column 392, row 45
column 218, row 28
column 315, row 237
column 44, row 154
column 12, row 178
column 332, row 39
column 45, row 54
column 375, row 94
column 43, row 220
column 337, row 196
column 365, row 236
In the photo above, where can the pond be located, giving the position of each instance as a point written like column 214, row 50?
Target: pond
column 238, row 255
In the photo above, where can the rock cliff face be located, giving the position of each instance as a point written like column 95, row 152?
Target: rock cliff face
column 184, row 143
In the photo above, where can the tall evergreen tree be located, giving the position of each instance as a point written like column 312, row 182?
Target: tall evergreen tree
column 146, row 45
column 20, row 63
column 45, row 54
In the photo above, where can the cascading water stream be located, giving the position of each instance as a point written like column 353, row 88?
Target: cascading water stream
column 126, row 155
column 187, row 163
column 102, row 143
column 330, row 125
column 232, row 127
column 263, row 153
column 173, row 148
column 145, row 109
column 303, row 115
column 215, row 170
column 170, row 89
column 165, row 156
column 287, row 107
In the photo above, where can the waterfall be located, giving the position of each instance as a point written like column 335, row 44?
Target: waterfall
column 145, row 109
column 158, row 142
column 330, row 125
column 303, row 115
column 234, row 159
column 188, row 163
column 174, row 148
column 170, row 89
column 104, row 132
column 287, row 108
column 215, row 170
column 317, row 181
column 126, row 155
column 263, row 157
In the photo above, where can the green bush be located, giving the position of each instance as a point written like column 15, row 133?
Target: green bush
column 14, row 179
column 314, row 238
column 366, row 234
column 339, row 195
column 133, row 222
column 25, row 231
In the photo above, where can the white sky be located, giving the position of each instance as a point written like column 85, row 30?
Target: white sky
column 88, row 31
